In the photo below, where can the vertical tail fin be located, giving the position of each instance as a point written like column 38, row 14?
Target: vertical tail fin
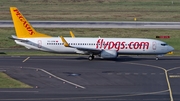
column 22, row 26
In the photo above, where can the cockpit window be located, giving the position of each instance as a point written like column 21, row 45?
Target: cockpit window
column 163, row 44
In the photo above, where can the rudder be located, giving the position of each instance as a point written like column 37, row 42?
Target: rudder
column 22, row 26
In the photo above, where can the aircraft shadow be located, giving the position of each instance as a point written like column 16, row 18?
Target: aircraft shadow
column 119, row 59
column 127, row 58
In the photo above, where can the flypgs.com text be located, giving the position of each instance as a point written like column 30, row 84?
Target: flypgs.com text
column 102, row 44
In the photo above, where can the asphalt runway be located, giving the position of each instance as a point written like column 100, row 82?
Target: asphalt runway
column 66, row 78
column 96, row 24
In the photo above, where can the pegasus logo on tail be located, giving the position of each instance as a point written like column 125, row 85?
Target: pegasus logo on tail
column 25, row 24
column 22, row 27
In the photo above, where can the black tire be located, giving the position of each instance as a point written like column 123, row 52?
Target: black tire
column 90, row 58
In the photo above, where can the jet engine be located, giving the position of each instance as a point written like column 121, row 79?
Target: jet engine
column 109, row 54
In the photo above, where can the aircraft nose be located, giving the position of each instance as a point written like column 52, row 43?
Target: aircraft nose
column 170, row 48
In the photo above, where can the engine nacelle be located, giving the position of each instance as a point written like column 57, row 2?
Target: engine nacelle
column 109, row 54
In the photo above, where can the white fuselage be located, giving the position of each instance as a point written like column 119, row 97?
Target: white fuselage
column 121, row 45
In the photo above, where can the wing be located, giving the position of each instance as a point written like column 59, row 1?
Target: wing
column 85, row 49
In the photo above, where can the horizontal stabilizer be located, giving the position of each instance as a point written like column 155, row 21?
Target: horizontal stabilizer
column 15, row 38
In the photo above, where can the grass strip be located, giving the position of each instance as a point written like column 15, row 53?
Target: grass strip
column 8, row 82
column 96, row 10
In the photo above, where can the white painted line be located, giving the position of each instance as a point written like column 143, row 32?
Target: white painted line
column 25, row 59
column 169, row 86
column 65, row 81
column 136, row 73
column 167, row 79
column 174, row 76
column 15, row 56
column 173, row 69
column 119, row 73
column 161, row 73
column 127, row 73
column 144, row 73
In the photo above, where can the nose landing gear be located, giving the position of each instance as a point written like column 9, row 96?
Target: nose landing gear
column 157, row 57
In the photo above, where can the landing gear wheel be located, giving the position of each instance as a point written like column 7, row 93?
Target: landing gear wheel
column 91, row 57
column 157, row 58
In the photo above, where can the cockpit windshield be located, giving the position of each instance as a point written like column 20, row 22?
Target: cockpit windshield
column 163, row 44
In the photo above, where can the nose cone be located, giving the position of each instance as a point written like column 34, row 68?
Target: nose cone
column 170, row 48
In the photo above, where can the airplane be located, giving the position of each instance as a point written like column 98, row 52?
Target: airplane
column 105, row 48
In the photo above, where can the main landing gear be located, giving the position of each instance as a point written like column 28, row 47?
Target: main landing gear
column 157, row 58
column 91, row 57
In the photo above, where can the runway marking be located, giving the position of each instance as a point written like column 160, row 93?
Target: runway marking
column 136, row 73
column 119, row 73
column 15, row 56
column 161, row 73
column 174, row 76
column 25, row 59
column 127, row 73
column 71, row 83
column 144, row 73
column 62, row 79
column 173, row 68
column 153, row 73
column 166, row 74
column 140, row 73
column 92, row 97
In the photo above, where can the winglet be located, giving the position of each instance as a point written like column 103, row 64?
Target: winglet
column 65, row 42
column 72, row 35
